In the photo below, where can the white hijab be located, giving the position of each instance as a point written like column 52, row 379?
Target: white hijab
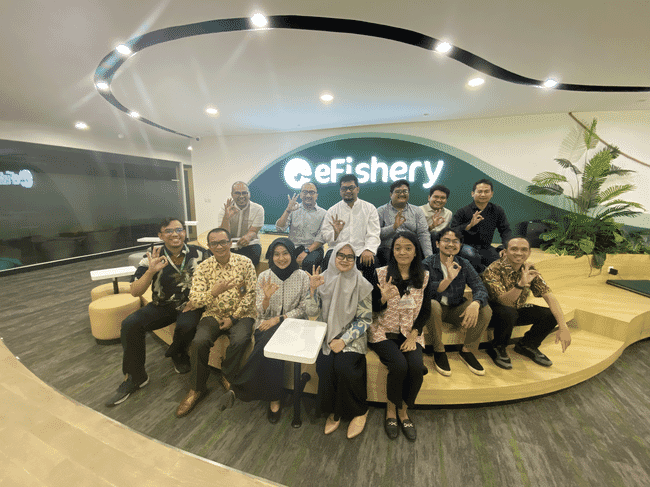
column 340, row 295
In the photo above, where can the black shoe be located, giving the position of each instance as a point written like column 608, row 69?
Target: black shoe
column 272, row 416
column 391, row 426
column 408, row 428
column 226, row 400
column 500, row 357
column 472, row 364
column 534, row 354
column 441, row 363
column 128, row 387
column 181, row 363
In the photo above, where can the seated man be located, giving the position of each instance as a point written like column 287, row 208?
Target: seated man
column 399, row 214
column 438, row 217
column 509, row 282
column 168, row 270
column 478, row 221
column 449, row 274
column 225, row 284
column 304, row 221
column 243, row 219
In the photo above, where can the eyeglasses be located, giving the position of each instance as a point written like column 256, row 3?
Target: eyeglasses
column 401, row 191
column 240, row 193
column 448, row 240
column 219, row 243
column 308, row 192
column 345, row 189
column 169, row 231
column 348, row 257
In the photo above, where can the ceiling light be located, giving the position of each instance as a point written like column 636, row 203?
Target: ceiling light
column 474, row 82
column 443, row 47
column 189, row 147
column 124, row 49
column 81, row 125
column 550, row 83
column 211, row 111
column 134, row 114
column 259, row 20
column 102, row 86
column 326, row 97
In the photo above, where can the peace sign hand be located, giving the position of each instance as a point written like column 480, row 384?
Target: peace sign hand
column 156, row 261
column 388, row 290
column 268, row 287
column 315, row 279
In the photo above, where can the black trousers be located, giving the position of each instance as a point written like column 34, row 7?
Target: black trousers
column 149, row 318
column 405, row 370
column 207, row 333
column 505, row 318
column 342, row 384
column 253, row 252
column 313, row 259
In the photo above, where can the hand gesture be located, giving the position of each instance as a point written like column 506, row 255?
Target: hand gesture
column 270, row 323
column 388, row 290
column 337, row 225
column 438, row 218
column 243, row 241
column 293, row 203
column 315, row 279
column 453, row 268
column 563, row 336
column 230, row 208
column 227, row 323
column 268, row 287
column 337, row 345
column 399, row 220
column 528, row 273
column 476, row 219
column 301, row 257
column 367, row 257
column 470, row 315
column 409, row 343
column 189, row 307
column 223, row 286
column 157, row 262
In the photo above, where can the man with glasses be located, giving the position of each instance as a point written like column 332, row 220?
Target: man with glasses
column 225, row 285
column 168, row 270
column 304, row 221
column 243, row 219
column 354, row 221
column 399, row 214
column 438, row 217
column 448, row 275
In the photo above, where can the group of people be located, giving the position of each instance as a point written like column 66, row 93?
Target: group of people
column 389, row 271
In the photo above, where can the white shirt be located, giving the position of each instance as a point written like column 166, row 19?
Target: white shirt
column 361, row 228
column 428, row 214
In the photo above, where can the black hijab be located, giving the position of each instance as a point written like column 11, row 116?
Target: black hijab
column 283, row 274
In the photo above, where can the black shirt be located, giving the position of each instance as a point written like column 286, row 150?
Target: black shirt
column 481, row 235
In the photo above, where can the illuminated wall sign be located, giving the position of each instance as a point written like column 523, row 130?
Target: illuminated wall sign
column 22, row 178
column 298, row 171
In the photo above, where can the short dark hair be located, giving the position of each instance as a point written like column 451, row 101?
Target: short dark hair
column 348, row 177
column 439, row 187
column 215, row 230
column 447, row 229
column 309, row 182
column 507, row 242
column 483, row 181
column 168, row 220
column 398, row 183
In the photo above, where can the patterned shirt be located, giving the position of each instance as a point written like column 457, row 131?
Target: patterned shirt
column 455, row 292
column 238, row 302
column 428, row 214
column 415, row 222
column 304, row 225
column 500, row 277
column 172, row 284
column 290, row 298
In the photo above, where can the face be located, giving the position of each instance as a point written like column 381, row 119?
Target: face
column 281, row 257
column 449, row 244
column 482, row 194
column 219, row 245
column 404, row 251
column 349, row 191
column 308, row 195
column 240, row 195
column 173, row 235
column 518, row 251
column 400, row 196
column 437, row 200
column 345, row 259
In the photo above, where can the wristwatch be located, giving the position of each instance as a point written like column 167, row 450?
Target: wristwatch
column 306, row 251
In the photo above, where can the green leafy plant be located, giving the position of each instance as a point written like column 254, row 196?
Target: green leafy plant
column 594, row 201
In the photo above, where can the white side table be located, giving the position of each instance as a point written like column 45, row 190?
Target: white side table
column 112, row 274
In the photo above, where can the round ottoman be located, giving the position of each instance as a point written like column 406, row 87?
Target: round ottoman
column 107, row 289
column 106, row 316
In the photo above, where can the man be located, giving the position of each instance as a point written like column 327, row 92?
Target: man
column 399, row 214
column 354, row 221
column 478, row 221
column 448, row 275
column 304, row 221
column 168, row 270
column 438, row 217
column 243, row 219
column 509, row 282
column 225, row 285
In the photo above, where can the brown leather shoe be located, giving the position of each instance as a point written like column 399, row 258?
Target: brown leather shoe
column 224, row 382
column 331, row 425
column 356, row 425
column 188, row 403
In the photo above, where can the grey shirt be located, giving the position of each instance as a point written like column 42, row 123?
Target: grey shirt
column 415, row 222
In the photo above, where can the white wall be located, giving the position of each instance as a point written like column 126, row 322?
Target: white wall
column 521, row 146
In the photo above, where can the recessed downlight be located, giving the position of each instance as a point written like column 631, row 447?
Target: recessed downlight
column 211, row 111
column 124, row 49
column 259, row 20
column 474, row 82
column 81, row 126
column 443, row 47
column 550, row 83
column 102, row 86
column 326, row 97
column 134, row 114
column 189, row 147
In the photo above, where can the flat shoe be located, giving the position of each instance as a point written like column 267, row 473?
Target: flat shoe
column 408, row 428
column 188, row 403
column 356, row 425
column 331, row 425
column 392, row 428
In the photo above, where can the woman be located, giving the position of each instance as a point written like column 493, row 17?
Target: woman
column 345, row 300
column 402, row 299
column 282, row 293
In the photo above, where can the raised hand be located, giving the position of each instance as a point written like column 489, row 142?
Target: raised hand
column 157, row 262
column 388, row 290
column 476, row 219
column 528, row 273
column 293, row 203
column 438, row 218
column 315, row 279
column 453, row 268
column 230, row 208
column 399, row 220
column 337, row 225
column 223, row 286
column 268, row 287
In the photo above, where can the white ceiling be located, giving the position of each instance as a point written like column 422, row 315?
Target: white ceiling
column 270, row 80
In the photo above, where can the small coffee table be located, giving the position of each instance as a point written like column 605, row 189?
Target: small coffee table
column 297, row 341
column 113, row 274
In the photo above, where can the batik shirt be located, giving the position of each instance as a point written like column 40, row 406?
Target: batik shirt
column 500, row 277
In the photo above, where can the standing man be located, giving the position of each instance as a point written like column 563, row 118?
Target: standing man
column 399, row 214
column 438, row 217
column 304, row 221
column 356, row 222
column 478, row 221
column 168, row 270
column 243, row 219
column 449, row 274
column 509, row 282
column 225, row 285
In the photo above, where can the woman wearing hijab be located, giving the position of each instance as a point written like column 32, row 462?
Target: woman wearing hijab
column 402, row 299
column 282, row 292
column 345, row 301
